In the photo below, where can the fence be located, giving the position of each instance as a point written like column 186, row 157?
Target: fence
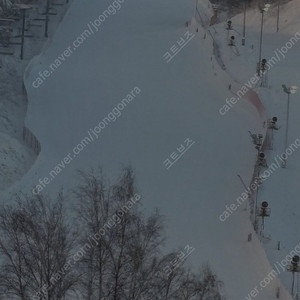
column 28, row 137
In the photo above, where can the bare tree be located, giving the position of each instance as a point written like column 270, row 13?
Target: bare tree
column 125, row 260
column 208, row 286
column 93, row 210
column 117, row 255
column 35, row 243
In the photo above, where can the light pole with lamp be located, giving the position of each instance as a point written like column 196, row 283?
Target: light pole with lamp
column 278, row 12
column 288, row 91
column 263, row 9
column 244, row 23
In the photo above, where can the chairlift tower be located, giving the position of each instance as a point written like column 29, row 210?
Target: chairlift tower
column 23, row 8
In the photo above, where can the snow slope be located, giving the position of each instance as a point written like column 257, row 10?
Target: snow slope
column 17, row 153
column 178, row 100
column 281, row 48
column 15, row 157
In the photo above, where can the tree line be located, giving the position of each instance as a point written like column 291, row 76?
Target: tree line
column 238, row 5
column 95, row 244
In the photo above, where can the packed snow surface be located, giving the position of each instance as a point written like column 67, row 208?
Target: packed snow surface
column 171, row 104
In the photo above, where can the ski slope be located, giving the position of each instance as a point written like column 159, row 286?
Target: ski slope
column 177, row 100
column 282, row 50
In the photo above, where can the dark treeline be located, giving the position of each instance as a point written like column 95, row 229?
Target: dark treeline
column 101, row 247
column 238, row 5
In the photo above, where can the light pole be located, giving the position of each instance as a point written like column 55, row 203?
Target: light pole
column 196, row 8
column 288, row 91
column 23, row 32
column 47, row 18
column 278, row 11
column 263, row 9
column 244, row 23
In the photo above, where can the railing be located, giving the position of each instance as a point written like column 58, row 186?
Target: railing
column 30, row 140
column 28, row 137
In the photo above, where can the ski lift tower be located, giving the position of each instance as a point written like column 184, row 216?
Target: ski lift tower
column 23, row 8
